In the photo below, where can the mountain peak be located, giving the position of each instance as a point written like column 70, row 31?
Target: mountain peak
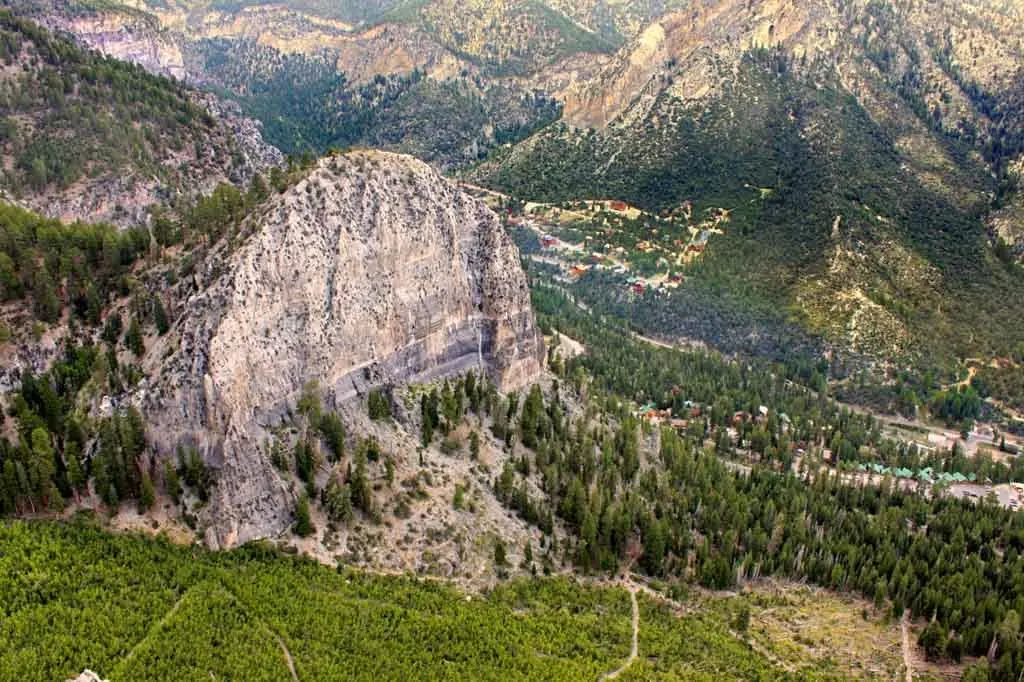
column 373, row 271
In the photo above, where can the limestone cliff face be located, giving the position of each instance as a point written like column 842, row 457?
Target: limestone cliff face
column 371, row 271
column 691, row 50
column 130, row 37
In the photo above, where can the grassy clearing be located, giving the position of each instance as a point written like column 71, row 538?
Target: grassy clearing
column 811, row 629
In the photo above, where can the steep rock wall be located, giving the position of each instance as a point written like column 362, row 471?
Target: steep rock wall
column 372, row 271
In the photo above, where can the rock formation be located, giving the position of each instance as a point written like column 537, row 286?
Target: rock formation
column 371, row 271
column 128, row 35
column 87, row 676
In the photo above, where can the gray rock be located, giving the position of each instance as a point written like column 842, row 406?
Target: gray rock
column 87, row 676
column 372, row 271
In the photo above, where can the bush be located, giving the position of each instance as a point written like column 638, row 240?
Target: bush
column 451, row 445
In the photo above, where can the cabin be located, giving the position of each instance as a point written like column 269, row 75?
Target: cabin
column 579, row 270
column 651, row 414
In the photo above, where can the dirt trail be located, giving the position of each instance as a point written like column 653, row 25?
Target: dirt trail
column 654, row 342
column 155, row 627
column 972, row 371
column 287, row 656
column 269, row 630
column 636, row 637
column 905, row 632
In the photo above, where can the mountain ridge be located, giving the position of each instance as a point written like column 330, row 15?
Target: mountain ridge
column 785, row 114
column 90, row 138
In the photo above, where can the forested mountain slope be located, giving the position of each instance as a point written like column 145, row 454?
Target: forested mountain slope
column 864, row 151
column 86, row 137
column 446, row 82
column 346, row 359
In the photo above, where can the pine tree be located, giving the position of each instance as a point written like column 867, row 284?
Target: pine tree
column 133, row 339
column 41, row 466
column 304, row 466
column 112, row 328
column 196, row 474
column 338, row 501
column 474, row 446
column 171, row 482
column 133, row 433
column 24, row 486
column 309, row 402
column 303, row 522
column 44, row 291
column 654, row 548
column 449, row 407
column 333, row 432
column 147, row 495
column 428, row 419
column 54, row 500
column 76, row 477
column 8, row 487
column 160, row 320
column 530, row 422
column 362, row 495
column 110, row 497
column 378, row 406
column 472, row 393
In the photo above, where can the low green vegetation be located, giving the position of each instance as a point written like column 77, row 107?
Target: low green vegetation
column 223, row 638
column 699, row 646
column 137, row 609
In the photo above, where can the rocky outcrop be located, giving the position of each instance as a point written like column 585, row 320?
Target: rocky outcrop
column 255, row 155
column 372, row 271
column 130, row 36
column 87, row 676
column 232, row 151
